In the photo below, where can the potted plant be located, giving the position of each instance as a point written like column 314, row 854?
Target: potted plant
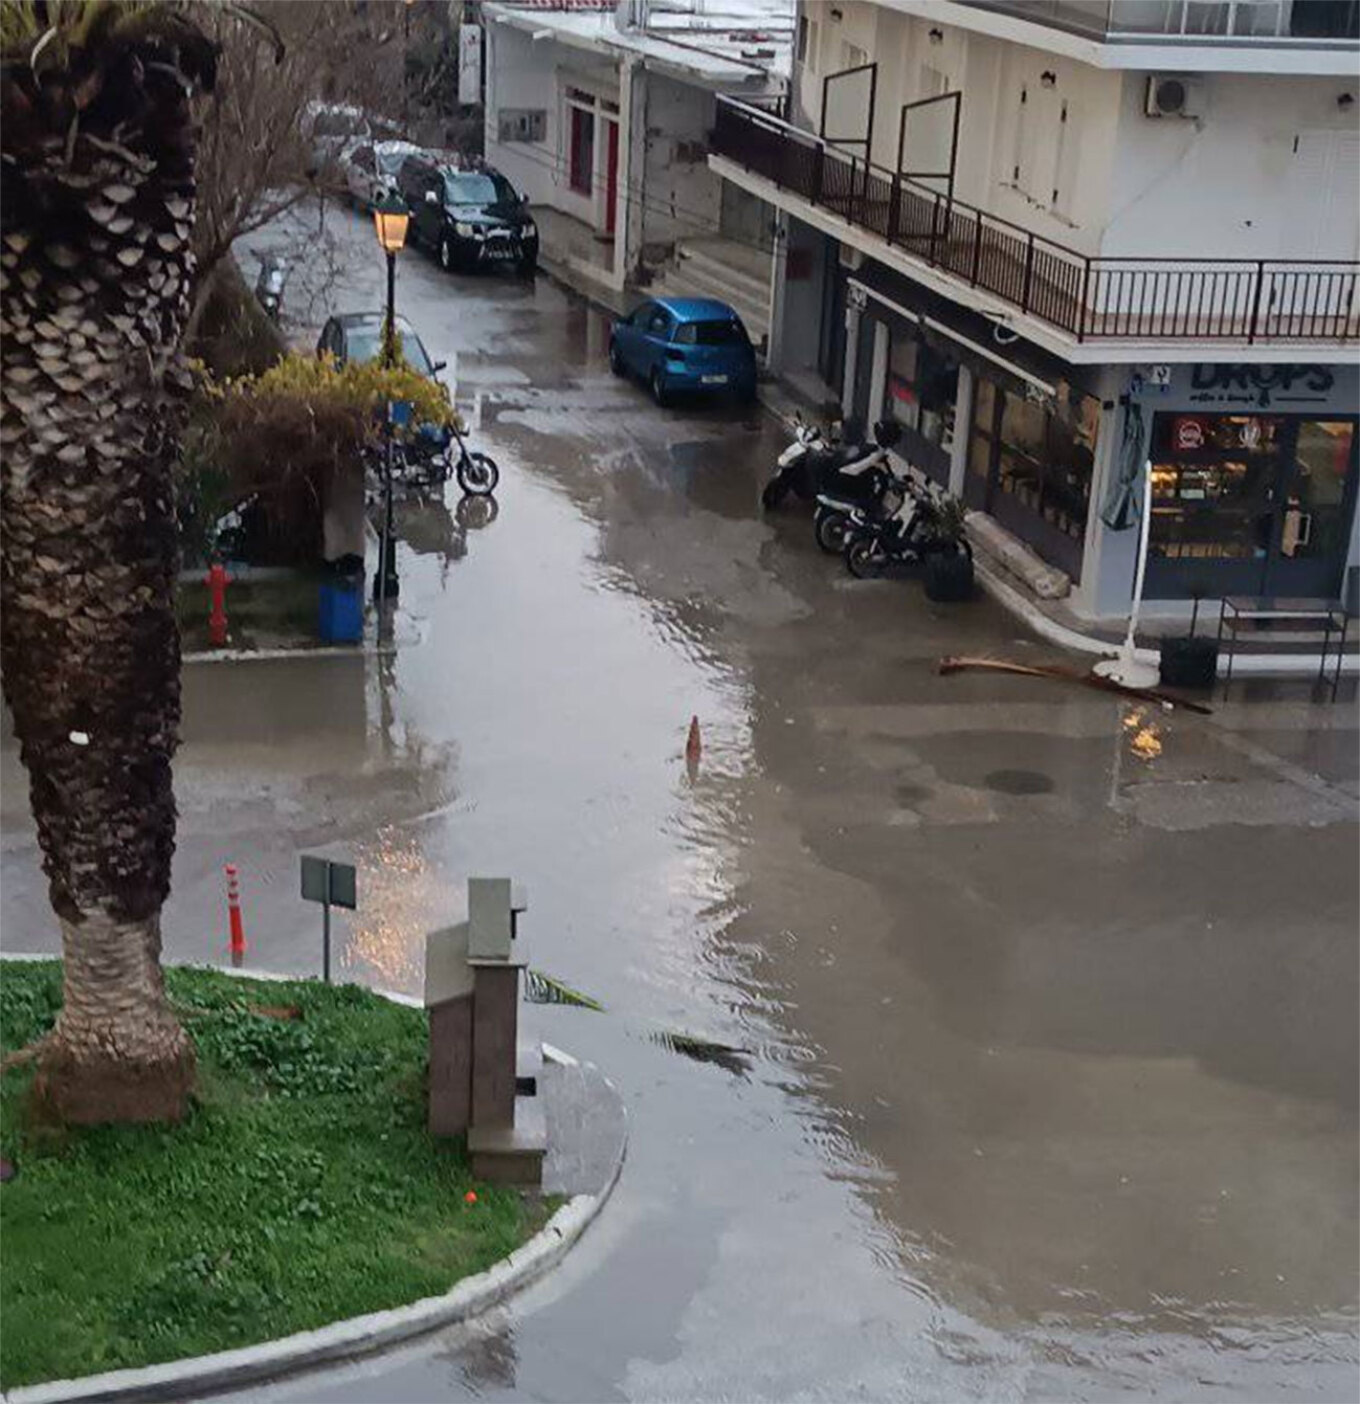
column 948, row 554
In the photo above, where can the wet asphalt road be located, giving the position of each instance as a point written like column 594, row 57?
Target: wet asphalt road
column 1048, row 1004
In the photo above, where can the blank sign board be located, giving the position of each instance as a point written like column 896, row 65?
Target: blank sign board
column 334, row 883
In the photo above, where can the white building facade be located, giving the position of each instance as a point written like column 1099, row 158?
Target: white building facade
column 601, row 113
column 1063, row 240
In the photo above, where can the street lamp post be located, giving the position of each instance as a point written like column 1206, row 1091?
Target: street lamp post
column 390, row 219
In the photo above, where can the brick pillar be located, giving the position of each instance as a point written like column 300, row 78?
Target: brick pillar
column 495, row 1009
column 451, row 1067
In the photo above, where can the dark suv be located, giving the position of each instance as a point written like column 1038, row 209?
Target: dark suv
column 467, row 217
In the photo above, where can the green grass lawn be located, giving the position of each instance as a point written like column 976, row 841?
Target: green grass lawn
column 303, row 1187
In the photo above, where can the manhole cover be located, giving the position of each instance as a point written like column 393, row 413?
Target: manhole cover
column 1019, row 782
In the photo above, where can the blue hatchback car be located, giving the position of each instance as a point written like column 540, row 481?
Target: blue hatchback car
column 685, row 343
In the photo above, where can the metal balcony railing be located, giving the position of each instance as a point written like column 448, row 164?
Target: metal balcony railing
column 1296, row 22
column 1123, row 299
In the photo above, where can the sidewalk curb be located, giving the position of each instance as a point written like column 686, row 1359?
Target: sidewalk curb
column 594, row 291
column 251, row 655
column 1244, row 664
column 357, row 1335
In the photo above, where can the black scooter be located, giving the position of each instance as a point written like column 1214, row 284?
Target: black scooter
column 857, row 486
column 913, row 525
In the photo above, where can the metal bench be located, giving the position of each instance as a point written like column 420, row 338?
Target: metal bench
column 1251, row 612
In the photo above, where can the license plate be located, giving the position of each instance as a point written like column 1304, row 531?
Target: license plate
column 714, row 379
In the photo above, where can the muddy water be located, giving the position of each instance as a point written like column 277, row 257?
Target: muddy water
column 1043, row 1008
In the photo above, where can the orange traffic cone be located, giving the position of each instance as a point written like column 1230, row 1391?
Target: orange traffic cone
column 693, row 744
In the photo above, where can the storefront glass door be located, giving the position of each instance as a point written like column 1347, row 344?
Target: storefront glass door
column 1249, row 505
column 1314, row 506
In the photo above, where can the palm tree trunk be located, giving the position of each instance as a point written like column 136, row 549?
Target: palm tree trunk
column 96, row 204
column 117, row 1052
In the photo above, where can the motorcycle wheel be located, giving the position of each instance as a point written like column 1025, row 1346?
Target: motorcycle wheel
column 773, row 494
column 829, row 526
column 478, row 474
column 864, row 558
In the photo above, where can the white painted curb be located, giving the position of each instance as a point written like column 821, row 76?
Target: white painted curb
column 356, row 1335
column 1244, row 664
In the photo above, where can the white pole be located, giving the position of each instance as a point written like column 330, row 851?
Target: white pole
column 1126, row 668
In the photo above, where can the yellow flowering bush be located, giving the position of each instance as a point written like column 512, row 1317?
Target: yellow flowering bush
column 281, row 438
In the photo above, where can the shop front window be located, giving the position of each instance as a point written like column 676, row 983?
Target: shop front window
column 1046, row 458
column 923, row 389
column 1212, row 478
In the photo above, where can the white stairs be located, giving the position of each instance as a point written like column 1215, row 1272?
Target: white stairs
column 733, row 273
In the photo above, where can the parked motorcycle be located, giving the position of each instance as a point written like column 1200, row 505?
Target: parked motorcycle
column 269, row 285
column 913, row 525
column 854, row 486
column 477, row 472
column 425, row 461
column 796, row 469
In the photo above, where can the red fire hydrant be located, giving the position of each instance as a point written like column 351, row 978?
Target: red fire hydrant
column 216, row 581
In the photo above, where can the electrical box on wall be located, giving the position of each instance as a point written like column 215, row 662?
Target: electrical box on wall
column 522, row 124
column 1172, row 95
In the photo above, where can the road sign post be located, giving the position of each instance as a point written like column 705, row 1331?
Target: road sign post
column 330, row 884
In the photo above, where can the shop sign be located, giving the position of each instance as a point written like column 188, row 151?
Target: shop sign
column 1261, row 387
column 1189, row 433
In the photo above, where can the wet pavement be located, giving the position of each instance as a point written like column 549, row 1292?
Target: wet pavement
column 1045, row 1005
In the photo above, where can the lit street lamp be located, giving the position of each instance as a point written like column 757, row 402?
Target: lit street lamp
column 390, row 218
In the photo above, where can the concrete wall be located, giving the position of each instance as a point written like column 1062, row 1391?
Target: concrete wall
column 1065, row 140
column 800, row 323
column 525, row 74
column 681, row 196
column 1270, row 169
column 519, row 74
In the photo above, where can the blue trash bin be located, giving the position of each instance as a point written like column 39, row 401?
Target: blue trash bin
column 341, row 614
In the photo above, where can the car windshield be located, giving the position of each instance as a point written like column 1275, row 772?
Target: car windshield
column 365, row 343
column 478, row 188
column 728, row 333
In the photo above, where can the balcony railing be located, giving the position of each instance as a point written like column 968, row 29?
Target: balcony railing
column 1305, row 22
column 1120, row 299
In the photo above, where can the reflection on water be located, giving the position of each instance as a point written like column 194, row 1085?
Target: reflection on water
column 474, row 513
column 401, row 898
column 1145, row 739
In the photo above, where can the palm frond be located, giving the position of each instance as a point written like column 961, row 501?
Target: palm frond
column 737, row 1061
column 543, row 989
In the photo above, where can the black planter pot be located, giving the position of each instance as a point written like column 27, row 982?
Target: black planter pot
column 949, row 576
column 1189, row 663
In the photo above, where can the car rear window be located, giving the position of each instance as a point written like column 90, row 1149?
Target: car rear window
column 364, row 345
column 728, row 333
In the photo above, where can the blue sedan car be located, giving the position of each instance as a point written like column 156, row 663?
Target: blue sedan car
column 685, row 343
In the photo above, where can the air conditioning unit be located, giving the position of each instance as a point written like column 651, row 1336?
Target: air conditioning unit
column 1170, row 95
column 851, row 258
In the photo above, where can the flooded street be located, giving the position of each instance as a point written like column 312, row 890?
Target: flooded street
column 1046, row 1004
